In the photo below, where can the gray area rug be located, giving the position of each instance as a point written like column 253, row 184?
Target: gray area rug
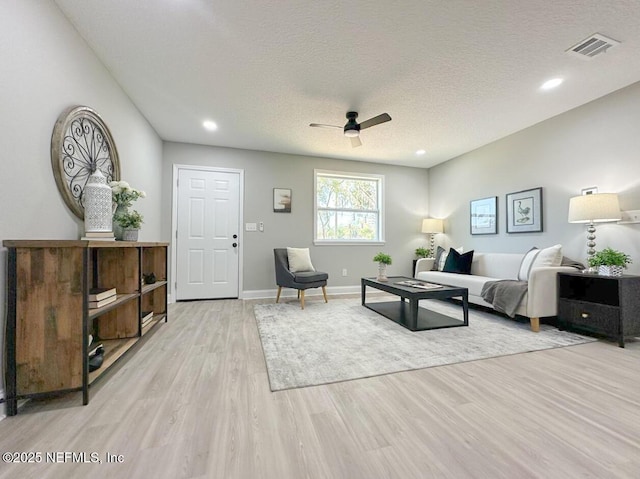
column 343, row 340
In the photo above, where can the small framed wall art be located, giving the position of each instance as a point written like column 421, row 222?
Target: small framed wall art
column 282, row 200
column 524, row 211
column 484, row 216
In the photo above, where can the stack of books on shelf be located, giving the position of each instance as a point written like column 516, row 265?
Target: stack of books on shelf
column 99, row 297
column 146, row 317
column 99, row 236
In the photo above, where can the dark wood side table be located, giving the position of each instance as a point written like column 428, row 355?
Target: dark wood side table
column 607, row 305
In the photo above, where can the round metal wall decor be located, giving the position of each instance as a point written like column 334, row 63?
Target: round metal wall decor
column 80, row 144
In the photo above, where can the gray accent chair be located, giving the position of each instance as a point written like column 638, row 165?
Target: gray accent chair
column 300, row 280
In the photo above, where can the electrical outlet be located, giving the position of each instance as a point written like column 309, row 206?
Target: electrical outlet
column 344, row 271
column 631, row 216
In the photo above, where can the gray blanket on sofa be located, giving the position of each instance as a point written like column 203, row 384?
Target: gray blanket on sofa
column 505, row 295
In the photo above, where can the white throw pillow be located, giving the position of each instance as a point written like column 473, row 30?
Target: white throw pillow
column 527, row 263
column 551, row 256
column 299, row 260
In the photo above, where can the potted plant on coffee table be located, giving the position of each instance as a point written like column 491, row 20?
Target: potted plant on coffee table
column 610, row 262
column 130, row 223
column 383, row 260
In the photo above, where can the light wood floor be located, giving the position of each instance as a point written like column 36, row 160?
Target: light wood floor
column 194, row 402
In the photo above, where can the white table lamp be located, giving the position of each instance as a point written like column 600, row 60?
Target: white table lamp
column 594, row 208
column 432, row 226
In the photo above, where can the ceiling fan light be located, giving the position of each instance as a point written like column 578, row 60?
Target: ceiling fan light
column 351, row 133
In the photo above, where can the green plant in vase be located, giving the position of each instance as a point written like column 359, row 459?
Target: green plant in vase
column 610, row 262
column 383, row 260
column 123, row 195
column 130, row 223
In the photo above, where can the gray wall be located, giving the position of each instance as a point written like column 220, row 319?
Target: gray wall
column 46, row 67
column 597, row 144
column 405, row 202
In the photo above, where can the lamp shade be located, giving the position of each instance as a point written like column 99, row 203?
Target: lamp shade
column 432, row 225
column 596, row 208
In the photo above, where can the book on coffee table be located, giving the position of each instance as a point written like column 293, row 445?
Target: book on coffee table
column 419, row 284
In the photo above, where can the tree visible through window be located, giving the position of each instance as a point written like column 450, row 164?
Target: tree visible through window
column 348, row 207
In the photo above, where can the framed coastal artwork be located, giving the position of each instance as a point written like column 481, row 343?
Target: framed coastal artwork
column 484, row 216
column 524, row 211
column 282, row 200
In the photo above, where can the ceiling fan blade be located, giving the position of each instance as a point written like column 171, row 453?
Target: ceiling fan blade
column 320, row 125
column 355, row 142
column 376, row 120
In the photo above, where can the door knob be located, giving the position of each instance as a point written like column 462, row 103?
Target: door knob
column 235, row 245
column 235, row 236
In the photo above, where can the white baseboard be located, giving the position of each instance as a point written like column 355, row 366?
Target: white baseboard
column 293, row 293
column 289, row 293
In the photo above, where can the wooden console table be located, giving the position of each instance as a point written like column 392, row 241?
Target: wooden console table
column 48, row 315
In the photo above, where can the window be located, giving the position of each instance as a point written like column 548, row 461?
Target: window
column 348, row 208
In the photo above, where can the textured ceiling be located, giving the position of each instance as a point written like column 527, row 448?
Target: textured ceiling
column 454, row 75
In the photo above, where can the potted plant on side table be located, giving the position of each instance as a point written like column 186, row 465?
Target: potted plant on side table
column 130, row 223
column 609, row 262
column 383, row 260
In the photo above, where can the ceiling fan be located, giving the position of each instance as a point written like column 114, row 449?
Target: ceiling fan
column 352, row 128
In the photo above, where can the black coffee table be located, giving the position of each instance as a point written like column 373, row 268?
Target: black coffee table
column 407, row 313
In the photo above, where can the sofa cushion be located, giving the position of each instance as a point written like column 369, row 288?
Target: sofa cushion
column 472, row 282
column 310, row 277
column 458, row 263
column 527, row 263
column 551, row 256
column 299, row 260
column 496, row 265
column 441, row 256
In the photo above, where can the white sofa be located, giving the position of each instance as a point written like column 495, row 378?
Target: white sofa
column 539, row 301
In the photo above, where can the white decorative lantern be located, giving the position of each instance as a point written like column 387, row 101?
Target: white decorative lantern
column 98, row 209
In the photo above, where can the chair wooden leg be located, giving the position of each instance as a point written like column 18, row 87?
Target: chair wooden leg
column 298, row 294
column 278, row 295
column 324, row 293
column 301, row 297
column 535, row 324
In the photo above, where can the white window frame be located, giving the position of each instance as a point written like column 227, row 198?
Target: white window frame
column 349, row 175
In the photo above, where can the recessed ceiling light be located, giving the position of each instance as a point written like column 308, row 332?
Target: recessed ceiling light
column 421, row 152
column 210, row 125
column 550, row 84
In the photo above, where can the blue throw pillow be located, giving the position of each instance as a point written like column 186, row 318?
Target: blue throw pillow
column 458, row 262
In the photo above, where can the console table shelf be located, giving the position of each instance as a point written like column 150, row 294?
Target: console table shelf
column 48, row 316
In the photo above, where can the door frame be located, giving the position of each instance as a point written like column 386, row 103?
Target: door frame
column 174, row 222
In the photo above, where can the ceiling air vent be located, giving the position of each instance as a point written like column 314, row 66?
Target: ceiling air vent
column 592, row 46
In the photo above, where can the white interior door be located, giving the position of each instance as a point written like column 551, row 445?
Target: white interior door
column 208, row 229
